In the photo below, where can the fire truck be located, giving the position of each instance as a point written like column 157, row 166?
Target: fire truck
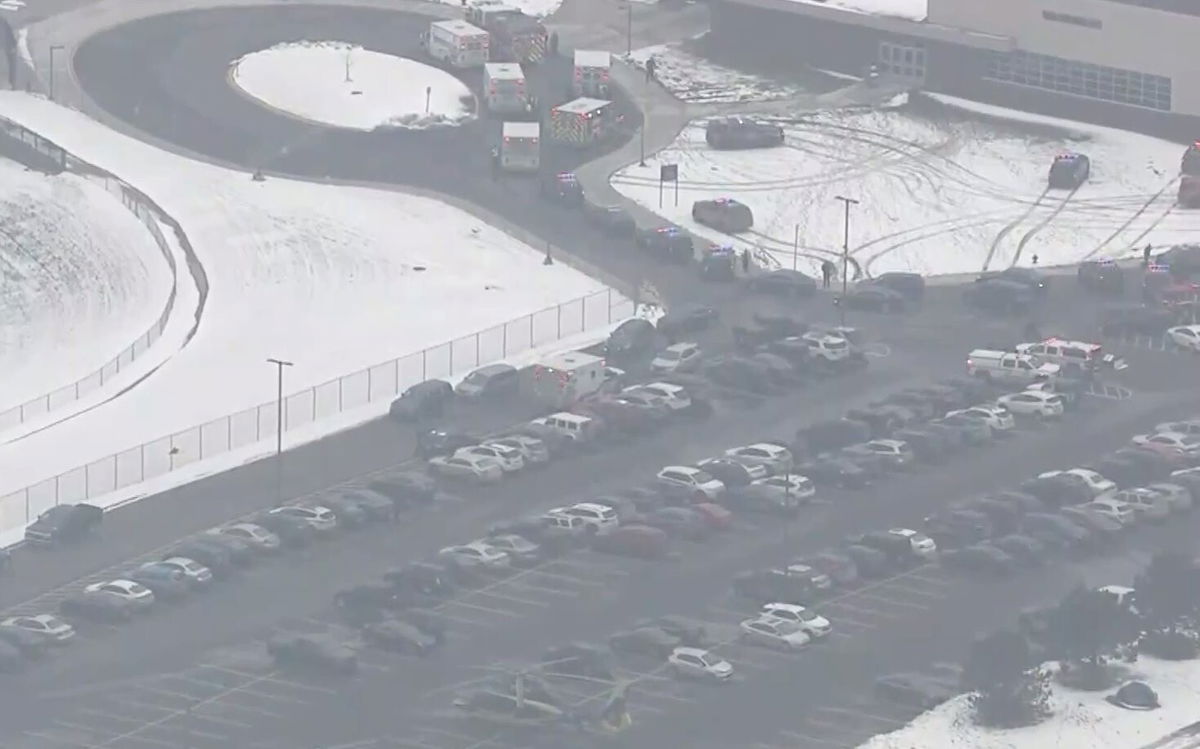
column 515, row 37
column 591, row 73
column 582, row 122
column 505, row 90
column 456, row 43
column 520, row 146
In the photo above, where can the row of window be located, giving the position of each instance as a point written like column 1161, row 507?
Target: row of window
column 1186, row 7
column 1090, row 23
column 1081, row 79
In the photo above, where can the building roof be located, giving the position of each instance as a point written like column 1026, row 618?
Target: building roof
column 504, row 71
column 582, row 105
column 459, row 27
column 521, row 130
column 591, row 58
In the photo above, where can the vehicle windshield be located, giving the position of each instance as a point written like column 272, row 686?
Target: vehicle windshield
column 785, row 627
column 671, row 355
column 476, row 378
column 702, row 477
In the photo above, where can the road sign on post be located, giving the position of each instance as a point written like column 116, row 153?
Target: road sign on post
column 668, row 173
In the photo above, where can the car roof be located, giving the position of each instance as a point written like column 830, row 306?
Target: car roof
column 697, row 652
column 594, row 506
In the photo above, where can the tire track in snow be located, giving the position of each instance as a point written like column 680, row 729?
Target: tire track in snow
column 1138, row 214
column 1029, row 235
column 1011, row 227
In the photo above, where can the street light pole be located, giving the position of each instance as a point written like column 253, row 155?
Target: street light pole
column 53, row 48
column 796, row 247
column 279, row 364
column 629, row 27
column 846, row 202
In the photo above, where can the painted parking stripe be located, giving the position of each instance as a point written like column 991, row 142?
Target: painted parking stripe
column 941, row 582
column 449, row 734
column 830, row 726
column 186, row 697
column 275, row 679
column 523, row 585
column 218, row 737
column 910, row 590
column 53, row 737
column 141, row 704
column 654, row 694
column 894, row 602
column 485, row 609
column 215, row 686
column 80, row 727
column 869, row 613
column 504, row 595
column 142, row 738
column 599, row 567
column 843, row 714
column 805, row 739
column 220, row 720
column 236, row 706
column 109, row 716
column 843, row 621
column 840, row 635
column 569, row 579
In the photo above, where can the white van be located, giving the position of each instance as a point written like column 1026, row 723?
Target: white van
column 570, row 426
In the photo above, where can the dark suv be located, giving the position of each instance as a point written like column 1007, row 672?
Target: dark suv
column 737, row 133
column 1069, row 171
column 424, row 400
column 562, row 188
column 669, row 242
column 723, row 214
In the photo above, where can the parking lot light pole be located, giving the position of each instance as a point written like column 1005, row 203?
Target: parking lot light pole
column 796, row 248
column 279, row 365
column 53, row 48
column 846, row 202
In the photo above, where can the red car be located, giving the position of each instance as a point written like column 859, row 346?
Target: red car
column 715, row 516
column 633, row 541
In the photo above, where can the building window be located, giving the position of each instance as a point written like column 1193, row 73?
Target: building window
column 1184, row 7
column 1081, row 79
column 1087, row 23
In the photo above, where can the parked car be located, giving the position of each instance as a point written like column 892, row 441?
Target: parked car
column 774, row 633
column 399, row 636
column 1101, row 276
column 697, row 663
column 633, row 540
column 723, row 214
column 783, row 282
column 64, row 524
column 312, row 652
column 910, row 285
column 478, row 468
column 46, row 626
column 873, row 298
column 425, row 400
column 491, row 381
column 983, row 558
column 96, row 607
column 645, row 641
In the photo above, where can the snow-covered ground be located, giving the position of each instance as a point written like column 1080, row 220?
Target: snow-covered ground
column 948, row 195
column 344, row 85
column 692, row 78
column 911, row 10
column 1081, row 720
column 539, row 8
column 332, row 278
column 80, row 280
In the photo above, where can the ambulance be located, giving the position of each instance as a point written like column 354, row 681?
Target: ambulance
column 504, row 88
column 581, row 122
column 456, row 43
column 591, row 73
column 520, row 146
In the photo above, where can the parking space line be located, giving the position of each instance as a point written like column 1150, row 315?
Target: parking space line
column 172, row 693
column 543, row 589
column 602, row 567
column 449, row 734
column 651, row 694
column 644, row 708
column 376, row 667
column 842, row 620
column 506, row 596
column 80, row 727
column 272, row 678
column 643, row 676
column 131, row 702
column 243, row 708
column 485, row 609
column 908, row 589
column 108, row 716
column 409, row 743
column 45, row 735
column 569, row 579
column 894, row 602
column 141, row 738
column 806, row 739
column 842, row 712
column 222, row 721
column 208, row 735
column 197, row 682
column 940, row 582
column 870, row 613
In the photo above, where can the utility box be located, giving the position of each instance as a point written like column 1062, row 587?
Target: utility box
column 558, row 381
column 457, row 44
column 521, row 146
column 582, row 122
column 591, row 74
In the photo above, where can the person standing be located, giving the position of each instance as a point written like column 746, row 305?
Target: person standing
column 495, row 163
column 745, row 262
column 826, row 273
column 1146, row 255
column 651, row 66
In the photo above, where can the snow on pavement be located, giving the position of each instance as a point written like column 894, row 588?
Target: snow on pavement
column 692, row 78
column 938, row 196
column 344, row 85
column 332, row 278
column 1081, row 720
column 80, row 280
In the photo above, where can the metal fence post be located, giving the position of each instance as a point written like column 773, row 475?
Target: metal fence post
column 116, row 478
column 504, row 340
column 27, row 505
column 531, row 329
column 142, row 459
column 477, row 349
column 258, row 423
column 424, row 351
column 451, row 356
column 341, row 399
column 229, row 431
column 583, row 315
column 57, row 481
column 558, row 312
column 610, row 306
column 314, row 402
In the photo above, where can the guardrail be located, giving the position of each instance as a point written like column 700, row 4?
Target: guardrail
column 141, row 207
column 381, row 382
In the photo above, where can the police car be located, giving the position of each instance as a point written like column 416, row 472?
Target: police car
column 1069, row 171
column 1190, row 164
column 739, row 133
column 723, row 214
column 562, row 187
column 1101, row 276
column 668, row 242
column 1075, row 358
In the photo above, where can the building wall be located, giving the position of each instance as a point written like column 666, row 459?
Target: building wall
column 1100, row 32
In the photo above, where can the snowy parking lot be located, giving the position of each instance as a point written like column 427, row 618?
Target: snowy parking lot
column 938, row 194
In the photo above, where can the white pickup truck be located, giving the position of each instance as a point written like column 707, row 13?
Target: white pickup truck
column 1008, row 367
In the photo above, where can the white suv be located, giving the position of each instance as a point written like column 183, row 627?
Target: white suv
column 687, row 478
column 828, row 347
column 593, row 514
column 1034, row 403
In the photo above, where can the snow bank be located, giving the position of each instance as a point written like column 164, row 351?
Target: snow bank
column 80, row 280
column 332, row 278
column 1081, row 720
column 693, row 79
column 910, row 10
column 344, row 85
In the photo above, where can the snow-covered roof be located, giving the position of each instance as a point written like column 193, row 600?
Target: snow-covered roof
column 912, row 10
column 583, row 105
column 591, row 58
column 504, row 71
column 521, row 130
column 458, row 28
column 571, row 361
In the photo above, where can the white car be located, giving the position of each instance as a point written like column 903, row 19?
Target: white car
column 1173, row 442
column 775, row 458
column 996, row 417
column 697, row 663
column 753, row 472
column 135, row 593
column 673, row 396
column 1095, row 483
column 252, row 534
column 774, row 633
column 1179, row 497
column 1113, row 509
column 1148, row 503
column 533, row 450
column 596, row 516
column 831, row 348
column 813, row 623
column 1185, row 337
column 48, row 627
column 1190, row 427
column 509, row 458
column 787, row 485
column 472, row 467
column 195, row 573
column 819, row 580
column 321, row 519
column 922, row 545
column 678, row 357
column 477, row 554
column 1033, row 403
column 687, row 478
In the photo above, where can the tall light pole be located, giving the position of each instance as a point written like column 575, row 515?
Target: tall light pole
column 796, row 247
column 53, row 48
column 846, row 202
column 279, row 365
column 629, row 27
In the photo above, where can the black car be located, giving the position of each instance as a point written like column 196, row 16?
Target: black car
column 166, row 584
column 432, row 580
column 1057, row 491
column 738, row 373
column 928, row 446
column 399, row 637
column 1069, row 171
column 896, row 548
column 868, row 561
column 1020, row 501
column 871, row 298
column 1029, row 278
column 999, row 297
column 918, row 402
column 579, row 659
column 632, row 340
column 669, row 243
column 686, row 320
column 292, row 531
column 723, row 214
column 425, row 400
column 826, row 436
column 1101, row 276
column 411, row 487
column 958, row 528
column 646, row 641
column 562, row 188
column 64, row 524
column 312, row 652
column 689, row 633
column 909, row 285
column 30, row 644
column 736, row 133
column 611, row 220
column 732, row 474
column 1005, row 517
column 209, row 552
column 96, row 606
column 766, row 586
column 1135, row 319
column 783, row 282
column 1055, row 531
column 782, row 324
column 883, row 420
column 827, row 470
column 368, row 603
column 985, row 559
column 1099, row 525
column 434, row 442
column 1025, row 550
